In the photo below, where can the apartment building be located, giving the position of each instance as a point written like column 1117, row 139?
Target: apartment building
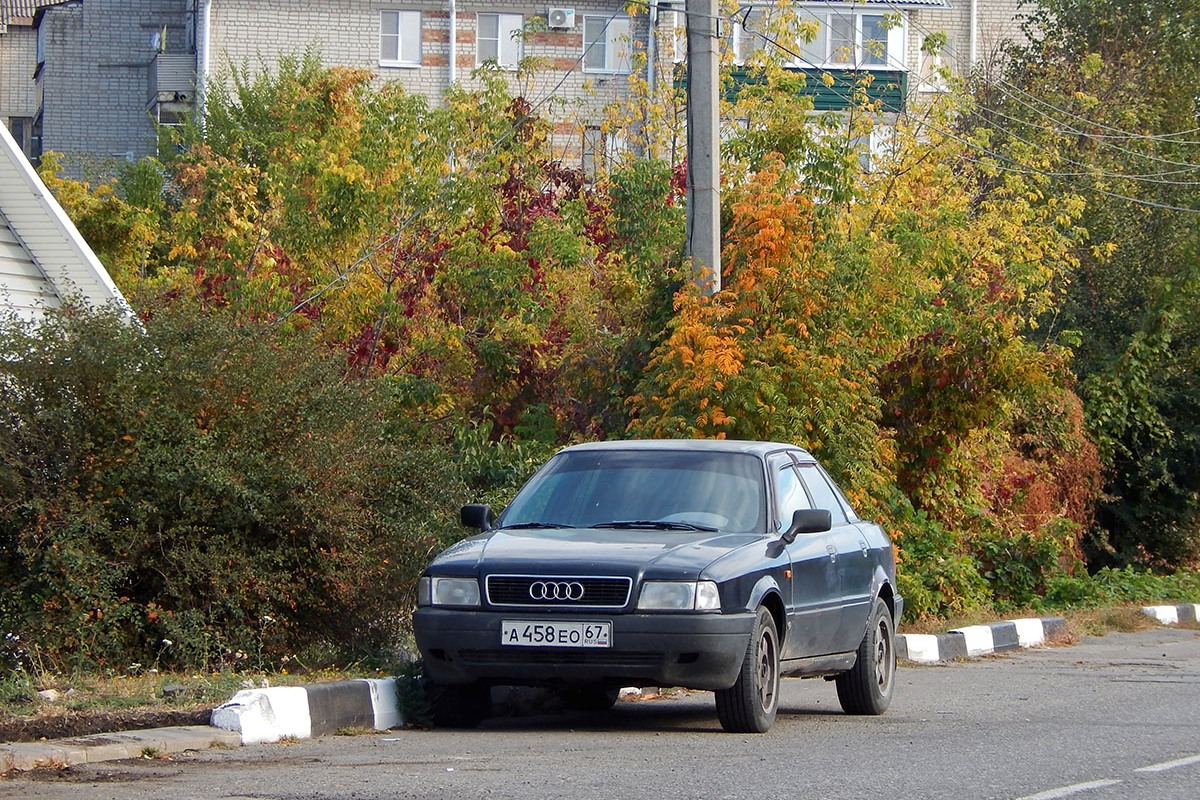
column 93, row 78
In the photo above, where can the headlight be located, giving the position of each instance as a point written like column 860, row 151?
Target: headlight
column 448, row 592
column 679, row 596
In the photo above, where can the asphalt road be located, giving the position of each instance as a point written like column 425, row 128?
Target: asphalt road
column 1114, row 717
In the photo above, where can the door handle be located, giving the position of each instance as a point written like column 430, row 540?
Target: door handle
column 832, row 552
column 865, row 549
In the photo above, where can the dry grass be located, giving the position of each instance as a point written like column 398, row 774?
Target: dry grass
column 89, row 703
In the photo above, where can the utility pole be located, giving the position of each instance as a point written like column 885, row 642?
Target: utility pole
column 703, row 144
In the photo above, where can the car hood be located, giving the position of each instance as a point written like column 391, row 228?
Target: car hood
column 569, row 551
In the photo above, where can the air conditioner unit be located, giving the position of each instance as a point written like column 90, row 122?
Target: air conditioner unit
column 560, row 18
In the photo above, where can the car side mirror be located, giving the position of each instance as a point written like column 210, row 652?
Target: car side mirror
column 809, row 520
column 477, row 516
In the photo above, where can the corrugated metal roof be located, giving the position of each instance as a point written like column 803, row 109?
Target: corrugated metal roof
column 43, row 258
column 21, row 9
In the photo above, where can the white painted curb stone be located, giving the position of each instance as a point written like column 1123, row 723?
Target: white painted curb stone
column 979, row 639
column 1030, row 632
column 266, row 715
column 386, row 703
column 922, row 647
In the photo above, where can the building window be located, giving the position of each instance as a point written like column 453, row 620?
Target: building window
column 400, row 38
column 41, row 42
column 848, row 39
column 606, row 44
column 499, row 39
column 21, row 129
column 678, row 37
column 35, row 141
column 601, row 151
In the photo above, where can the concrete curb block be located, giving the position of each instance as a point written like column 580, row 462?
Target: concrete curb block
column 978, row 640
column 301, row 712
column 112, row 747
column 1173, row 615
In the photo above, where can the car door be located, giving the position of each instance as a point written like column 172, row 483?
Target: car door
column 855, row 566
column 814, row 607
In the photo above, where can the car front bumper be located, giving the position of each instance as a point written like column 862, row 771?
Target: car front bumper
column 695, row 651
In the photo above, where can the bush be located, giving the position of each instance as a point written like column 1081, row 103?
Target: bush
column 1127, row 585
column 202, row 494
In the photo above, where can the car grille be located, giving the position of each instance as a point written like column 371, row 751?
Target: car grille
column 581, row 658
column 544, row 591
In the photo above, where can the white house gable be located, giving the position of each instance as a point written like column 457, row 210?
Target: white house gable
column 43, row 258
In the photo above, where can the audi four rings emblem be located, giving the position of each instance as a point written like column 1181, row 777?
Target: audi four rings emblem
column 556, row 590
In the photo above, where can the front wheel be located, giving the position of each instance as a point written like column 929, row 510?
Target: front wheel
column 867, row 687
column 749, row 705
column 459, row 706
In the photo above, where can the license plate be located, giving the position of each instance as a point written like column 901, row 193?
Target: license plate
column 520, row 633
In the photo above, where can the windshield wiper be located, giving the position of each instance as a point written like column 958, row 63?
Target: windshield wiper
column 657, row 525
column 516, row 526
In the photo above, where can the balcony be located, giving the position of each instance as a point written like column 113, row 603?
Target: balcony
column 172, row 79
column 830, row 89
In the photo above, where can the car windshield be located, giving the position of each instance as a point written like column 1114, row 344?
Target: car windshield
column 669, row 490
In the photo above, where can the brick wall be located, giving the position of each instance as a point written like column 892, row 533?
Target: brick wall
column 998, row 23
column 18, row 57
column 258, row 33
column 94, row 82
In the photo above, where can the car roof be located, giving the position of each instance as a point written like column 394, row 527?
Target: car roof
column 693, row 445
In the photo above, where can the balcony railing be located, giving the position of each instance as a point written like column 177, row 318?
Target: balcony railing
column 830, row 89
column 172, row 78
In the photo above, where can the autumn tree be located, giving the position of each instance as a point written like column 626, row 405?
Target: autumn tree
column 1101, row 104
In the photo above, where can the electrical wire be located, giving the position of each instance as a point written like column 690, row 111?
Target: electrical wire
column 1017, row 166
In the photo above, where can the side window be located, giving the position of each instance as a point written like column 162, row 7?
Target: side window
column 822, row 493
column 850, row 512
column 790, row 496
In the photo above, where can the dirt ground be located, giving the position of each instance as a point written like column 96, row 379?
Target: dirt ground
column 69, row 723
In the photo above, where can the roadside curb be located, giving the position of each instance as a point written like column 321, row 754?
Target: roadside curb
column 978, row 640
column 1173, row 615
column 113, row 747
column 301, row 712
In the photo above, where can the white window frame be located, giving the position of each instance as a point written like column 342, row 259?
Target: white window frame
column 678, row 37
column 509, row 40
column 615, row 48
column 859, row 56
column 600, row 151
column 405, row 21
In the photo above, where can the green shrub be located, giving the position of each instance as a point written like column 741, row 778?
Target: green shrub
column 934, row 574
column 204, row 494
column 1128, row 585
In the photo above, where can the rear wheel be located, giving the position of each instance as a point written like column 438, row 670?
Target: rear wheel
column 589, row 698
column 749, row 705
column 459, row 705
column 867, row 687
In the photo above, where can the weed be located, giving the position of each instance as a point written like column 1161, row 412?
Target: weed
column 411, row 696
column 353, row 730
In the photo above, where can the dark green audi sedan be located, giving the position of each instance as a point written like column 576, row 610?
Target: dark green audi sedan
column 704, row 564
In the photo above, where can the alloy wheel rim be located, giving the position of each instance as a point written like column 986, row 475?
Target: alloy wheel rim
column 766, row 671
column 883, row 656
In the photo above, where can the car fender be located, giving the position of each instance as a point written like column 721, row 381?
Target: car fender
column 765, row 585
column 765, row 589
column 879, row 582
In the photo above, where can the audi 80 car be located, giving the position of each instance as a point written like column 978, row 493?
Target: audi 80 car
column 704, row 564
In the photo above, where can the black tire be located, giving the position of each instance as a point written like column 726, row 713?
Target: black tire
column 459, row 706
column 867, row 687
column 749, row 705
column 589, row 698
